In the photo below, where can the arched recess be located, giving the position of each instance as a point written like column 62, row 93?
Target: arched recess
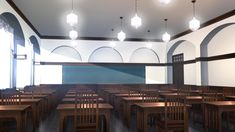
column 189, row 51
column 36, row 53
column 19, row 39
column 35, row 43
column 65, row 53
column 144, row 55
column 105, row 54
column 204, row 50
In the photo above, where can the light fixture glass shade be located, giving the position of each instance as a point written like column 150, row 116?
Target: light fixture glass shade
column 121, row 36
column 165, row 1
column 166, row 37
column 73, row 34
column 136, row 21
column 72, row 19
column 194, row 24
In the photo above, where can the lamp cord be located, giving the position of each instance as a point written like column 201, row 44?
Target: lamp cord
column 165, row 24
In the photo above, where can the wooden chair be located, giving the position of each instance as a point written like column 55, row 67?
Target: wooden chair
column 10, row 97
column 150, row 97
column 175, row 116
column 86, row 114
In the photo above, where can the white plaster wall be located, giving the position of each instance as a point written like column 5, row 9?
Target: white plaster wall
column 23, row 78
column 189, row 51
column 126, row 49
column 5, row 7
column 155, row 75
column 223, row 42
column 222, row 72
column 198, row 36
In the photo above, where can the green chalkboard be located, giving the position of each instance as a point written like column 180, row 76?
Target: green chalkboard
column 97, row 74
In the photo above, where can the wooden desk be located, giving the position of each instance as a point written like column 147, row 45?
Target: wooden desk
column 66, row 110
column 18, row 112
column 145, row 109
column 127, row 103
column 118, row 97
column 230, row 98
column 218, row 107
column 191, row 100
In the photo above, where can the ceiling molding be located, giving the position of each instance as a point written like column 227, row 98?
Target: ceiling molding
column 208, row 23
column 212, row 21
column 101, row 38
column 13, row 5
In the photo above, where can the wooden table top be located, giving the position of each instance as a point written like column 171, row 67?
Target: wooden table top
column 151, row 104
column 230, row 97
column 126, row 95
column 193, row 97
column 222, row 103
column 132, row 98
column 13, row 107
column 72, row 106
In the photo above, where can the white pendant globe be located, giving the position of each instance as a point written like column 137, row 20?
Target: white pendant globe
column 72, row 19
column 165, row 1
column 73, row 34
column 166, row 37
column 136, row 21
column 194, row 24
column 121, row 36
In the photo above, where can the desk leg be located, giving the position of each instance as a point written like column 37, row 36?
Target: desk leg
column 206, row 118
column 219, row 114
column 107, row 117
column 61, row 119
column 145, row 121
column 128, row 114
column 139, row 123
column 19, row 123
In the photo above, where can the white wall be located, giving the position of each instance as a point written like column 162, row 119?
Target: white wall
column 23, row 77
column 124, row 49
column 220, row 72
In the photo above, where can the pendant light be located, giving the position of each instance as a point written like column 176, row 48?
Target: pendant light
column 194, row 24
column 121, row 35
column 73, row 34
column 72, row 18
column 112, row 43
column 164, row 1
column 166, row 36
column 136, row 20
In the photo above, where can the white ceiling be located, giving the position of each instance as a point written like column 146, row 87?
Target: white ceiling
column 98, row 17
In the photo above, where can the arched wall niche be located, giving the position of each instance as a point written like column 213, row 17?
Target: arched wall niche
column 65, row 53
column 189, row 50
column 105, row 54
column 211, row 43
column 144, row 55
column 35, row 43
column 19, row 39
